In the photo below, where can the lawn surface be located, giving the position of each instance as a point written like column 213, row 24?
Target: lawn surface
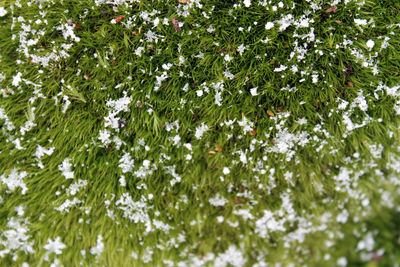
column 199, row 133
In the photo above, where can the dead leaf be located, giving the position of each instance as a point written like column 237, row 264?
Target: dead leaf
column 183, row 1
column 376, row 257
column 175, row 22
column 350, row 84
column 253, row 133
column 77, row 27
column 270, row 113
column 87, row 76
column 338, row 21
column 332, row 9
column 118, row 19
column 239, row 200
column 212, row 152
column 218, row 148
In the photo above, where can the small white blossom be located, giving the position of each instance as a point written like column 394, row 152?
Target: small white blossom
column 253, row 91
column 218, row 200
column 269, row 25
column 55, row 246
column 370, row 43
column 200, row 130
column 65, row 168
column 99, row 248
column 3, row 11
column 247, row 3
column 226, row 170
column 17, row 79
column 362, row 22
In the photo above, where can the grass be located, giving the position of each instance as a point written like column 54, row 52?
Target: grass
column 206, row 146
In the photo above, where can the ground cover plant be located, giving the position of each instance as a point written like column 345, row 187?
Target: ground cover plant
column 199, row 133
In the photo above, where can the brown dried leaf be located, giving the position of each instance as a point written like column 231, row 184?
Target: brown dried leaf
column 212, row 152
column 350, row 84
column 183, row 1
column 77, row 27
column 253, row 133
column 270, row 113
column 218, row 148
column 332, row 9
column 175, row 22
column 119, row 18
column 239, row 200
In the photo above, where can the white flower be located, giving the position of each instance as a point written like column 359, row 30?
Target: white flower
column 14, row 180
column 231, row 256
column 269, row 25
column 156, row 22
column 342, row 261
column 210, row 29
column 228, row 58
column 17, row 79
column 98, row 249
column 55, row 246
column 200, row 130
column 281, row 68
column 370, row 44
column 65, row 168
column 226, row 170
column 241, row 49
column 3, row 11
column 247, row 3
column 360, row 21
column 253, row 91
column 304, row 23
column 218, row 200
